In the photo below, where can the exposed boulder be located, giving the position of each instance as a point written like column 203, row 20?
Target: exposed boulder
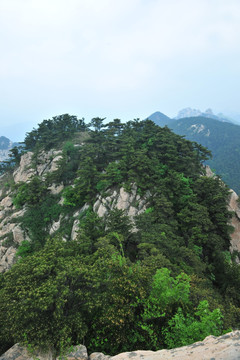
column 18, row 352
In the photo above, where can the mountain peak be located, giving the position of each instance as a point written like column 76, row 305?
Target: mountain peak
column 208, row 113
column 160, row 119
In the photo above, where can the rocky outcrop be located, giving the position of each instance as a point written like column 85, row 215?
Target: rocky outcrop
column 11, row 233
column 226, row 347
column 18, row 352
column 209, row 172
column 120, row 199
column 45, row 162
column 7, row 257
column 234, row 206
column 25, row 169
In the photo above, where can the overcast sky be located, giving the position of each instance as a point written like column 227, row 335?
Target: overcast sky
column 116, row 59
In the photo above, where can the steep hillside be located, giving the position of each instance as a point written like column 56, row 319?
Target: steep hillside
column 221, row 137
column 152, row 264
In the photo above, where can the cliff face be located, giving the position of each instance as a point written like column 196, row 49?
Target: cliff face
column 234, row 207
column 12, row 234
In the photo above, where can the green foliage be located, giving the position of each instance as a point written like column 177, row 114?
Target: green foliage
column 36, row 220
column 31, row 193
column 24, row 249
column 165, row 294
column 67, row 165
column 184, row 330
column 166, row 291
column 39, row 298
column 52, row 132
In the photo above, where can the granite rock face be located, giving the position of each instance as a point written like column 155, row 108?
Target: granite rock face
column 234, row 206
column 11, row 233
column 120, row 199
column 45, row 162
column 226, row 347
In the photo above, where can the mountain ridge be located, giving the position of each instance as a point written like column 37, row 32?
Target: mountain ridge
column 222, row 138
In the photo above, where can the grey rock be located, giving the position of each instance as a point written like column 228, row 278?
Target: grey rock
column 6, row 202
column 18, row 234
column 120, row 199
column 56, row 189
column 75, row 229
column 55, row 226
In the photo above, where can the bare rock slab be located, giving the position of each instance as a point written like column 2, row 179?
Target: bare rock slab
column 226, row 347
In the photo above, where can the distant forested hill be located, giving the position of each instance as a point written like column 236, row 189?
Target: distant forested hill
column 222, row 138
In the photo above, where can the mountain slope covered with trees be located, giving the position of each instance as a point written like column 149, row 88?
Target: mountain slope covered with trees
column 221, row 138
column 163, row 278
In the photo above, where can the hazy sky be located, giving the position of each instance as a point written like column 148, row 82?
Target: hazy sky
column 116, row 59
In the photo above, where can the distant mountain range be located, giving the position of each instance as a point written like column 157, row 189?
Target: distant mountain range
column 189, row 112
column 214, row 132
column 5, row 146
